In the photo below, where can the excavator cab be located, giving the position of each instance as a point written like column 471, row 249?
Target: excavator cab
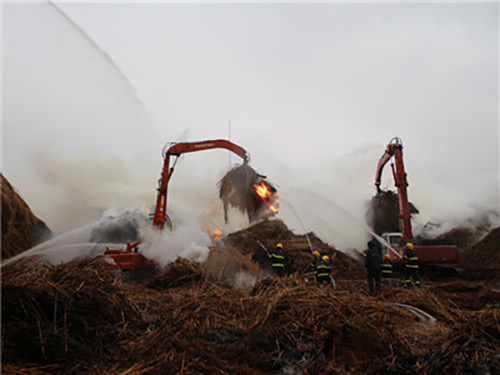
column 392, row 238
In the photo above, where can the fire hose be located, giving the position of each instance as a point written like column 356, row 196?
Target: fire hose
column 263, row 247
column 420, row 314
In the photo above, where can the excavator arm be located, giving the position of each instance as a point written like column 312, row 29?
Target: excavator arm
column 395, row 150
column 131, row 259
column 437, row 254
column 177, row 149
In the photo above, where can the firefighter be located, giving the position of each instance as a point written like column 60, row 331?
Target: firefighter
column 411, row 266
column 278, row 260
column 386, row 268
column 372, row 264
column 323, row 271
column 316, row 261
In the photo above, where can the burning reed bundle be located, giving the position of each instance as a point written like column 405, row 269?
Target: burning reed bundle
column 238, row 189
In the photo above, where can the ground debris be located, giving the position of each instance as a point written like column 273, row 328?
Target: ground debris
column 79, row 318
column 191, row 319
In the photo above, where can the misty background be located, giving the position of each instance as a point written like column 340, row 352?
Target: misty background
column 314, row 92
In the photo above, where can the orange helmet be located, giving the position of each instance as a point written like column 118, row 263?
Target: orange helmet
column 409, row 245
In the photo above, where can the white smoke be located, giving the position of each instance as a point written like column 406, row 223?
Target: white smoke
column 244, row 281
column 187, row 240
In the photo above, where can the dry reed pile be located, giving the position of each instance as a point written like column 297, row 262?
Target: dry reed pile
column 79, row 318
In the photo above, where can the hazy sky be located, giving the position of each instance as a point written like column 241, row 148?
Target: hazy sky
column 314, row 92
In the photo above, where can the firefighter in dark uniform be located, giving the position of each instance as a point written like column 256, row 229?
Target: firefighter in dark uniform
column 372, row 264
column 411, row 265
column 386, row 268
column 315, row 262
column 278, row 260
column 323, row 271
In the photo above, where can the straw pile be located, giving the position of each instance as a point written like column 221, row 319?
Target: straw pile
column 296, row 249
column 461, row 237
column 175, row 274
column 78, row 318
column 226, row 266
column 67, row 317
column 482, row 261
column 21, row 229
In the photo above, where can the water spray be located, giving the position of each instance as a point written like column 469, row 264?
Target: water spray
column 301, row 223
column 105, row 55
column 358, row 222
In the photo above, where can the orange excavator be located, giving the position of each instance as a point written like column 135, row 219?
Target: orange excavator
column 130, row 258
column 435, row 254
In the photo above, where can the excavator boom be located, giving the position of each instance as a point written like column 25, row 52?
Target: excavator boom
column 395, row 150
column 177, row 149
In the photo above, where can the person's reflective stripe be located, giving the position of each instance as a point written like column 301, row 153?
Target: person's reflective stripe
column 278, row 265
column 412, row 266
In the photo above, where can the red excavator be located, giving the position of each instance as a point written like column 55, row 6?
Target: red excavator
column 436, row 254
column 130, row 259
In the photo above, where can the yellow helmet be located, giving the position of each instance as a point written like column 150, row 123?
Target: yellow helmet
column 316, row 253
column 387, row 256
column 409, row 245
column 279, row 245
column 325, row 258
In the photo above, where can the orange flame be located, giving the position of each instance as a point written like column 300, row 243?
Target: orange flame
column 262, row 190
column 266, row 194
column 217, row 234
column 274, row 207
